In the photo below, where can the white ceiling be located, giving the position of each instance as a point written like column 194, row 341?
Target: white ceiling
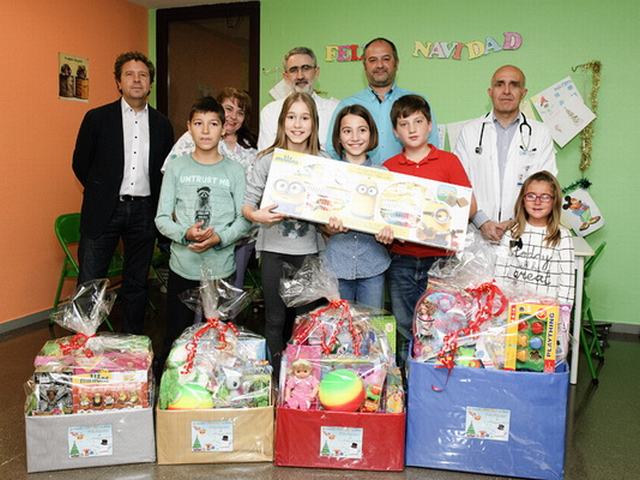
column 179, row 3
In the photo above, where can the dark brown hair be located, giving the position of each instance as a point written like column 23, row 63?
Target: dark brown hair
column 380, row 39
column 359, row 111
column 246, row 138
column 137, row 56
column 206, row 105
column 408, row 105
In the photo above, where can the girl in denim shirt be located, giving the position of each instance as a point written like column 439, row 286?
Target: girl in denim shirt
column 359, row 260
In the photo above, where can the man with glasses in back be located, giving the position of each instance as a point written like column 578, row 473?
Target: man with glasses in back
column 300, row 73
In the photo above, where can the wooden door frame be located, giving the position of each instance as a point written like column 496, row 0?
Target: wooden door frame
column 166, row 15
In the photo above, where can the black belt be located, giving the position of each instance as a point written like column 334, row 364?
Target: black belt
column 132, row 198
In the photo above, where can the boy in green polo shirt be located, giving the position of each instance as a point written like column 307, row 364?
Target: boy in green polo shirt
column 200, row 211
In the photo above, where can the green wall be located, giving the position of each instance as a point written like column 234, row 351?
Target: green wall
column 556, row 36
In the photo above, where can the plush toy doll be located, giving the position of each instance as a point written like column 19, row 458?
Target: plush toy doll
column 302, row 386
column 233, row 382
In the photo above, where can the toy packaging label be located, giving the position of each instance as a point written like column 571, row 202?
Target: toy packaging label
column 90, row 441
column 487, row 423
column 530, row 343
column 225, row 435
column 386, row 324
column 341, row 442
column 107, row 377
column 212, row 436
column 367, row 199
column 328, row 439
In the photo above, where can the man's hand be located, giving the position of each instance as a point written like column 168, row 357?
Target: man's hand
column 385, row 235
column 493, row 231
column 265, row 215
column 197, row 234
column 210, row 242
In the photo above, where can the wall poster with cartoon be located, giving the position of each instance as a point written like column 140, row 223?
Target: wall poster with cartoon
column 580, row 212
column 367, row 199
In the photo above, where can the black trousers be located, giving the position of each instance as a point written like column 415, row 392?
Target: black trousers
column 278, row 318
column 133, row 222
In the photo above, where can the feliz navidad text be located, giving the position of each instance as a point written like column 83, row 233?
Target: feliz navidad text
column 440, row 50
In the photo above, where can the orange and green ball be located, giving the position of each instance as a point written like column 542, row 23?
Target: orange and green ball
column 341, row 390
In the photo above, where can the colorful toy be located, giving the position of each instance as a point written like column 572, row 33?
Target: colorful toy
column 342, row 390
column 467, row 357
column 191, row 396
column 441, row 310
column 394, row 396
column 531, row 337
column 581, row 210
column 302, row 386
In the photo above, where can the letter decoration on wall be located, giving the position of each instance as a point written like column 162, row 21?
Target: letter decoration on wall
column 474, row 48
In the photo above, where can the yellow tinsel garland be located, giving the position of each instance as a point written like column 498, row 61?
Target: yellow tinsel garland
column 586, row 135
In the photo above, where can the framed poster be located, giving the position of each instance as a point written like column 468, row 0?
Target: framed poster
column 367, row 199
column 73, row 77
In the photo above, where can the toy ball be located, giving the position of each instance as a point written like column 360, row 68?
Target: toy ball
column 191, row 396
column 341, row 390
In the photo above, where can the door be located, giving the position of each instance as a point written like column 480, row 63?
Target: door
column 200, row 51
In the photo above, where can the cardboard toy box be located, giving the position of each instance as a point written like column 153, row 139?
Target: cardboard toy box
column 367, row 199
column 487, row 421
column 59, row 442
column 220, row 435
column 324, row 439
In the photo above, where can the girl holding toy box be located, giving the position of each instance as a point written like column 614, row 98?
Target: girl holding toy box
column 359, row 260
column 282, row 239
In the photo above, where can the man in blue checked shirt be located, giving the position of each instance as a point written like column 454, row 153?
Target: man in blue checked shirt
column 380, row 62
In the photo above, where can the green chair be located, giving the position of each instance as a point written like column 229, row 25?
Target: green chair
column 67, row 229
column 592, row 335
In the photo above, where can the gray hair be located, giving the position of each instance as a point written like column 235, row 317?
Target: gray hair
column 298, row 51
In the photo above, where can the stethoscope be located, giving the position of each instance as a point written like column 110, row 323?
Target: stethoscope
column 521, row 127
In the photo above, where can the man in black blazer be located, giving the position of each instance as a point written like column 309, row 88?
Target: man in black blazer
column 118, row 155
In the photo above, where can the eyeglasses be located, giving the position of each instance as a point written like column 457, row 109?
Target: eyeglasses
column 544, row 198
column 305, row 69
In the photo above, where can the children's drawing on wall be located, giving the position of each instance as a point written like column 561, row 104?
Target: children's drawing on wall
column 562, row 109
column 73, row 77
column 580, row 212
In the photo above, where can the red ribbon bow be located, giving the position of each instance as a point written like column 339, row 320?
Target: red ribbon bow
column 77, row 343
column 192, row 346
column 344, row 312
column 484, row 297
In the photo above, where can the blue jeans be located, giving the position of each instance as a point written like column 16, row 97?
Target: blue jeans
column 133, row 223
column 408, row 278
column 364, row 291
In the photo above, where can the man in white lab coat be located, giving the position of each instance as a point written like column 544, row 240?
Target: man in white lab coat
column 500, row 150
